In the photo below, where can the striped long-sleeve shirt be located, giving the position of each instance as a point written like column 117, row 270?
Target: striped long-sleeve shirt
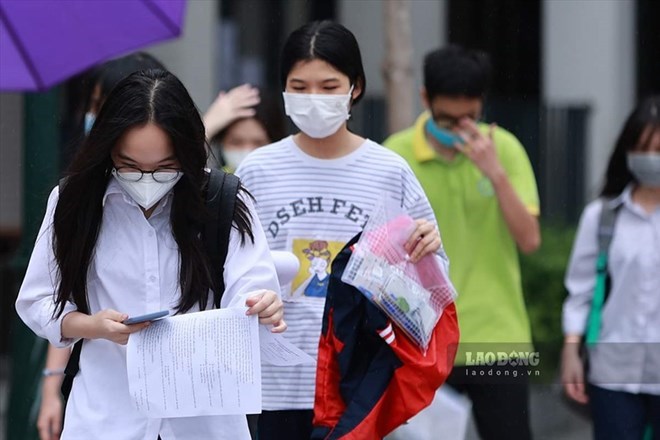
column 312, row 207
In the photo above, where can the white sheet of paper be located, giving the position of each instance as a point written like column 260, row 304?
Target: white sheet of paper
column 276, row 350
column 205, row 363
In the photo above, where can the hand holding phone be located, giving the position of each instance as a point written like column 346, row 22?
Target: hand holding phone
column 148, row 317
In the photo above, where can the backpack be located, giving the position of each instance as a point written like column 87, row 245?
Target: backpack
column 221, row 196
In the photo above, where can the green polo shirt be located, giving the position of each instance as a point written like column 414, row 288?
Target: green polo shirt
column 484, row 264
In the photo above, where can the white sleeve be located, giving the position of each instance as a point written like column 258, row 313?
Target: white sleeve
column 581, row 274
column 417, row 205
column 249, row 267
column 36, row 299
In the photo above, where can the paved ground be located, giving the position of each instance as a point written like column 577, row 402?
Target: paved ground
column 4, row 391
column 552, row 419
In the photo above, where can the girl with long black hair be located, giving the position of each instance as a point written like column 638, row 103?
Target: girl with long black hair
column 123, row 236
column 622, row 386
column 103, row 79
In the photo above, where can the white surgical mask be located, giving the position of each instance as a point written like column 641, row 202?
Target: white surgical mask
column 233, row 158
column 317, row 115
column 645, row 167
column 146, row 192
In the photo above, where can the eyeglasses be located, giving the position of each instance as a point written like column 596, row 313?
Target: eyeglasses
column 132, row 174
column 450, row 122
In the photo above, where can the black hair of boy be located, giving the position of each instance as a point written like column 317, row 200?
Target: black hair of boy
column 457, row 72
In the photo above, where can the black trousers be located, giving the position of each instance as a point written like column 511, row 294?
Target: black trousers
column 500, row 407
column 285, row 425
column 618, row 415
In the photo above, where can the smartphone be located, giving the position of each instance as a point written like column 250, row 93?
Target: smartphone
column 148, row 317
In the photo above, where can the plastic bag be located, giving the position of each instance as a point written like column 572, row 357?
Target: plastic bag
column 412, row 295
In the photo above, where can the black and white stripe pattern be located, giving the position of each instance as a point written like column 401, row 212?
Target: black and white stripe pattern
column 302, row 197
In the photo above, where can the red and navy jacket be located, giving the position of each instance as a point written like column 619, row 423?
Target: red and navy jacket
column 371, row 378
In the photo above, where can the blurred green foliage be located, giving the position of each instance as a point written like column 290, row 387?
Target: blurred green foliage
column 543, row 284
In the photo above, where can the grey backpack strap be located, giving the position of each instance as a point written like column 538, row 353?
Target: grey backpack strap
column 608, row 215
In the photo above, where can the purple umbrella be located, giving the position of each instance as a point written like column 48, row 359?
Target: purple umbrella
column 43, row 42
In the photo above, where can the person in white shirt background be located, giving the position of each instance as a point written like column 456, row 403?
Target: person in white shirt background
column 123, row 237
column 314, row 191
column 623, row 383
column 103, row 79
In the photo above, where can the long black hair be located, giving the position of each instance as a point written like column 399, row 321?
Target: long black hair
column 645, row 116
column 115, row 70
column 152, row 96
column 105, row 76
column 328, row 41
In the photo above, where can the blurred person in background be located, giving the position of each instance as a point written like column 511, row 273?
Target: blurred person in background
column 103, row 79
column 237, row 123
column 314, row 192
column 482, row 189
column 622, row 386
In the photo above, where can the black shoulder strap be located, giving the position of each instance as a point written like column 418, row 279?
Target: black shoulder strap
column 221, row 203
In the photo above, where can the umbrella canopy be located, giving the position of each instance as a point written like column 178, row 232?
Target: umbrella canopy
column 43, row 42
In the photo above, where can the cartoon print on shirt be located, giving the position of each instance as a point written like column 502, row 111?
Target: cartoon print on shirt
column 314, row 274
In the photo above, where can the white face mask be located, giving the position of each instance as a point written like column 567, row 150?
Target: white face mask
column 645, row 167
column 146, row 192
column 317, row 115
column 233, row 158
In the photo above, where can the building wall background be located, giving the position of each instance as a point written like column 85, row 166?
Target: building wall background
column 11, row 161
column 589, row 58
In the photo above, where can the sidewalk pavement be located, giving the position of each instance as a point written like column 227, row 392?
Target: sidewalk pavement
column 551, row 418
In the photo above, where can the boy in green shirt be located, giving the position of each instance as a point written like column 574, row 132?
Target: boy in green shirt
column 482, row 188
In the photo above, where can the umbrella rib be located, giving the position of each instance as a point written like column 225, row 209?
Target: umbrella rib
column 21, row 48
column 162, row 16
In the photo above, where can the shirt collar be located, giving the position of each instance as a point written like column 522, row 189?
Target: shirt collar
column 114, row 188
column 422, row 150
column 625, row 198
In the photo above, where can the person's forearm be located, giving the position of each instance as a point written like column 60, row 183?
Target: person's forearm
column 56, row 361
column 572, row 343
column 572, row 339
column 523, row 226
column 76, row 325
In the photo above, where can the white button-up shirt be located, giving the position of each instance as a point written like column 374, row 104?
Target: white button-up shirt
column 134, row 270
column 627, row 357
